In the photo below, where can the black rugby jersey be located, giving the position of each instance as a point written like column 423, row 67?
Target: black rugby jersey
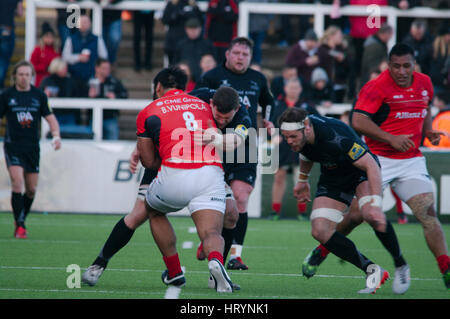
column 251, row 87
column 23, row 111
column 239, row 125
column 336, row 146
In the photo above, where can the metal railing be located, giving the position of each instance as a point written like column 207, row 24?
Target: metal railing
column 98, row 105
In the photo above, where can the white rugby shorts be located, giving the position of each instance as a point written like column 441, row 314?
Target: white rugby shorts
column 197, row 189
column 408, row 177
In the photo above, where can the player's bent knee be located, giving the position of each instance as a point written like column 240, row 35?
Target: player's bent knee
column 231, row 215
column 422, row 206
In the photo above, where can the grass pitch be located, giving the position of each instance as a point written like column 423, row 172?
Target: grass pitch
column 36, row 268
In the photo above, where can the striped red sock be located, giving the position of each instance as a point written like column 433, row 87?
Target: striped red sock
column 217, row 255
column 173, row 265
column 276, row 207
column 443, row 263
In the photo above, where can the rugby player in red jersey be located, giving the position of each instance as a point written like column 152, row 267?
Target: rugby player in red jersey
column 189, row 175
column 392, row 112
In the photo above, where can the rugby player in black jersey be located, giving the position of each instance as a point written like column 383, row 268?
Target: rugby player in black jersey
column 348, row 168
column 23, row 105
column 253, row 92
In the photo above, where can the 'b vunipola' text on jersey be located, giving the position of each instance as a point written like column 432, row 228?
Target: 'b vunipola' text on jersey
column 396, row 110
column 171, row 122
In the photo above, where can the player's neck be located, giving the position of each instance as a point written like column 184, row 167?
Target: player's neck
column 23, row 89
column 310, row 136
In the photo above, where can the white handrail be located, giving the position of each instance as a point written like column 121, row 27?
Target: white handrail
column 98, row 105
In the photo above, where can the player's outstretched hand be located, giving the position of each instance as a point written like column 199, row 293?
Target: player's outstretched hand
column 435, row 136
column 269, row 126
column 133, row 161
column 402, row 143
column 302, row 192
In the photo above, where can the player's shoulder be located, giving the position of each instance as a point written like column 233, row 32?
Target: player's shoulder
column 38, row 92
column 256, row 75
column 422, row 78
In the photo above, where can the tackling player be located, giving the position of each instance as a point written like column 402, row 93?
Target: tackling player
column 392, row 112
column 23, row 105
column 226, row 111
column 348, row 168
column 253, row 91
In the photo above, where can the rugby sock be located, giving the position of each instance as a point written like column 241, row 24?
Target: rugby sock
column 215, row 254
column 227, row 235
column 17, row 207
column 390, row 242
column 239, row 235
column 443, row 263
column 323, row 250
column 27, row 201
column 276, row 207
column 301, row 208
column 173, row 265
column 345, row 249
column 119, row 237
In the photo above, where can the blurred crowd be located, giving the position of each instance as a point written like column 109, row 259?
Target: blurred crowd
column 74, row 62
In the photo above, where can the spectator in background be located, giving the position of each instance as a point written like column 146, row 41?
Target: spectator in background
column 103, row 85
column 221, row 25
column 258, row 25
column 63, row 29
column 143, row 20
column 207, row 63
column 190, row 85
column 303, row 55
column 112, row 29
column 288, row 160
column 330, row 50
column 440, row 64
column 442, row 120
column 360, row 30
column 60, row 84
column 321, row 88
column 403, row 23
column 193, row 47
column 44, row 53
column 422, row 44
column 175, row 15
column 82, row 49
column 7, row 35
column 277, row 86
column 375, row 51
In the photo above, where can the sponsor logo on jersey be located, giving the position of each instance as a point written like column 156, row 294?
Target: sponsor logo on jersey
column 24, row 119
column 411, row 115
column 241, row 130
column 356, row 151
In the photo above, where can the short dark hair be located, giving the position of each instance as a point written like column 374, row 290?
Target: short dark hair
column 226, row 99
column 401, row 49
column 292, row 115
column 99, row 61
column 241, row 40
column 171, row 77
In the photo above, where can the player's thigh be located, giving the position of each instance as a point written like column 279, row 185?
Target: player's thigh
column 31, row 182
column 208, row 221
column 325, row 215
column 241, row 191
column 139, row 213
